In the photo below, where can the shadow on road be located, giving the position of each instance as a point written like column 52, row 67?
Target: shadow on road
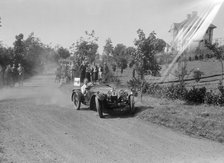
column 113, row 114
column 126, row 113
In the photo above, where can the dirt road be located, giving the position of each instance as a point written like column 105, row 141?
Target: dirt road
column 38, row 124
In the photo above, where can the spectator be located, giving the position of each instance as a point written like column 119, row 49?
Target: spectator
column 58, row 74
column 197, row 75
column 95, row 72
column 7, row 75
column 20, row 71
column 100, row 73
column 73, row 71
column 14, row 74
column 105, row 71
column 88, row 72
column 82, row 71
column 1, row 76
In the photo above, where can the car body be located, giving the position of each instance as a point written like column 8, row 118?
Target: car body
column 103, row 97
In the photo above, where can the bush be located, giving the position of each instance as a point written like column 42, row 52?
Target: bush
column 177, row 91
column 196, row 95
column 135, row 84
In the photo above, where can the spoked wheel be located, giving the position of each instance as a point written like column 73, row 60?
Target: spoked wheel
column 99, row 107
column 76, row 101
column 132, row 104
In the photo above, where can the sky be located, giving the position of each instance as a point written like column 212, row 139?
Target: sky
column 63, row 22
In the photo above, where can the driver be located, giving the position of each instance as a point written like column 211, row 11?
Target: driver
column 85, row 88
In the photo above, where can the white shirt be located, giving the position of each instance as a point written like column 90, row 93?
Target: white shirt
column 83, row 89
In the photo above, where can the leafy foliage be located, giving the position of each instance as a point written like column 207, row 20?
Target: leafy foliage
column 144, row 56
column 218, row 53
column 63, row 53
column 85, row 48
column 108, row 48
column 196, row 95
column 19, row 48
column 120, row 55
column 30, row 52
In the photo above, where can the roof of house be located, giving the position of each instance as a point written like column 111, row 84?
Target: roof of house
column 187, row 22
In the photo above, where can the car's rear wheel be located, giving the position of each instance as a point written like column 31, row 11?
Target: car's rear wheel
column 132, row 104
column 76, row 101
column 99, row 107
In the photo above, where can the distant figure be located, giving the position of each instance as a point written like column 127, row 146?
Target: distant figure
column 95, row 72
column 88, row 72
column 20, row 70
column 7, row 75
column 100, row 73
column 1, row 76
column 58, row 74
column 14, row 74
column 197, row 75
column 73, row 71
column 82, row 71
column 63, row 71
column 105, row 71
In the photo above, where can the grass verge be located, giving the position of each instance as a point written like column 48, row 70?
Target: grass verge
column 195, row 120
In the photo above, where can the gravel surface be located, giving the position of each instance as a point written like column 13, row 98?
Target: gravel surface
column 39, row 124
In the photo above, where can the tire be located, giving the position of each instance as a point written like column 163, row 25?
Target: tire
column 132, row 104
column 76, row 101
column 93, row 104
column 99, row 107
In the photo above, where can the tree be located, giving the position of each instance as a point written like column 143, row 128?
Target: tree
column 85, row 48
column 182, row 71
column 120, row 55
column 63, row 53
column 218, row 53
column 35, row 52
column 108, row 48
column 129, row 52
column 19, row 48
column 6, row 55
column 143, row 58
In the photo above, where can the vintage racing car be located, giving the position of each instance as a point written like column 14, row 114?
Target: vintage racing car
column 103, row 97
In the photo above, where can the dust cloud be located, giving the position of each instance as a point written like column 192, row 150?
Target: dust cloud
column 41, row 90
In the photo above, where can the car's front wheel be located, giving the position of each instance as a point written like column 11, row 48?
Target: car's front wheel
column 76, row 101
column 99, row 107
